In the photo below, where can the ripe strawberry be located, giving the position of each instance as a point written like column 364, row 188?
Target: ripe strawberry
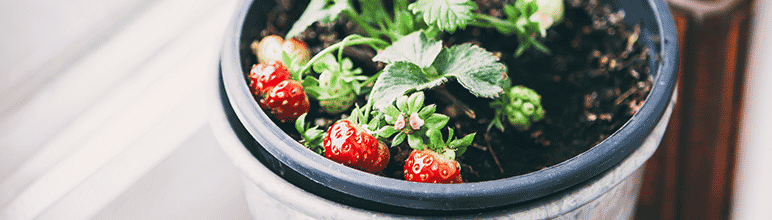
column 264, row 76
column 287, row 101
column 348, row 144
column 429, row 167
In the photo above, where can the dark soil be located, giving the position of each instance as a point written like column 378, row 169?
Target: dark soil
column 591, row 84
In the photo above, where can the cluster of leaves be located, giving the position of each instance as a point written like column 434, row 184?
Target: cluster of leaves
column 409, row 119
column 338, row 83
column 415, row 60
column 525, row 18
column 416, row 63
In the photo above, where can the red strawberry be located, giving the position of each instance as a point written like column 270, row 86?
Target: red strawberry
column 346, row 143
column 429, row 167
column 287, row 101
column 264, row 76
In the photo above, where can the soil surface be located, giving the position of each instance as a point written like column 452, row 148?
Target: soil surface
column 593, row 81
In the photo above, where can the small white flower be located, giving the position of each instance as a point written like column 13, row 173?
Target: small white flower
column 416, row 122
column 400, row 123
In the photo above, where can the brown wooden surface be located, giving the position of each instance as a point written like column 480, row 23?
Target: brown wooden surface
column 690, row 175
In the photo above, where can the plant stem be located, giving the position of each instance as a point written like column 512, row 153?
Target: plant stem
column 493, row 154
column 368, row 29
column 492, row 22
column 359, row 40
column 455, row 102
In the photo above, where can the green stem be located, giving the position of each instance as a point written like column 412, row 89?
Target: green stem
column 368, row 29
column 370, row 96
column 480, row 19
column 372, row 42
column 401, row 4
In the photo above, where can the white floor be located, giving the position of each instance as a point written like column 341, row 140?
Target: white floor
column 104, row 110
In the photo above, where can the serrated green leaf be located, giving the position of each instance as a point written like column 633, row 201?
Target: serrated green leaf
column 437, row 121
column 404, row 21
column 399, row 78
column 300, row 123
column 427, row 111
column 475, row 68
column 415, row 142
column 447, row 15
column 318, row 10
column 375, row 122
column 402, row 103
column 372, row 10
column 387, row 131
column 398, row 139
column 435, row 138
column 414, row 48
column 311, row 87
column 415, row 102
column 450, row 136
column 461, row 144
column 391, row 110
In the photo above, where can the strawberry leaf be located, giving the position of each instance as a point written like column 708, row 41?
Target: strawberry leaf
column 300, row 123
column 461, row 144
column 402, row 103
column 318, row 10
column 447, row 15
column 475, row 68
column 415, row 102
column 373, row 11
column 435, row 138
column 415, row 141
column 437, row 121
column 398, row 139
column 391, row 111
column 387, row 131
column 426, row 111
column 397, row 79
column 414, row 48
column 450, row 136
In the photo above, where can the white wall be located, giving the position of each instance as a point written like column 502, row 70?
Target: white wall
column 753, row 184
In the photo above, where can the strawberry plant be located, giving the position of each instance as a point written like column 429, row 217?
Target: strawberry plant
column 422, row 86
column 352, row 144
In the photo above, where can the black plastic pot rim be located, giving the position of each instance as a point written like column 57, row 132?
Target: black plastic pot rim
column 447, row 197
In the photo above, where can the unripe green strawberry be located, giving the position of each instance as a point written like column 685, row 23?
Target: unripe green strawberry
column 522, row 107
column 336, row 106
column 338, row 84
column 347, row 143
column 427, row 166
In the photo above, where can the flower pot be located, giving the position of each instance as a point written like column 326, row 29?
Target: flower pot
column 283, row 179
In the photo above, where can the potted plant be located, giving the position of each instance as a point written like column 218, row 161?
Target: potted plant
column 405, row 88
